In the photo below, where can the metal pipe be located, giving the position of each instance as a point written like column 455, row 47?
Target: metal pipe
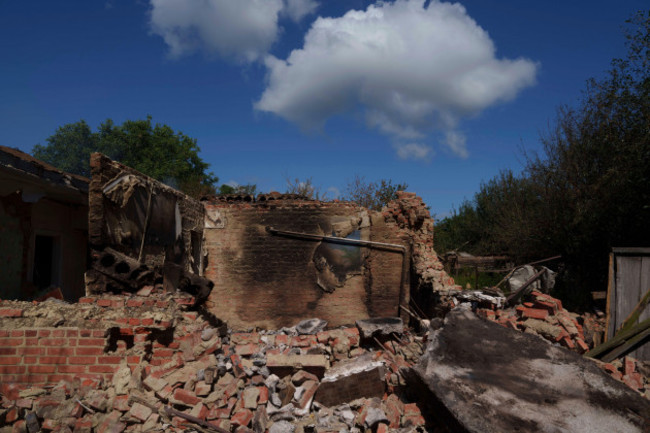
column 335, row 239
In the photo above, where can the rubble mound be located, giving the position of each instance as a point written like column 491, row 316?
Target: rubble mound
column 200, row 376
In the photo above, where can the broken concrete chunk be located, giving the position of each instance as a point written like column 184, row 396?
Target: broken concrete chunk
column 301, row 376
column 250, row 397
column 350, row 380
column 282, row 427
column 509, row 379
column 311, row 326
column 380, row 326
column 374, row 416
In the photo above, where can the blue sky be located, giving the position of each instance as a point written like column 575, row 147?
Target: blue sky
column 436, row 95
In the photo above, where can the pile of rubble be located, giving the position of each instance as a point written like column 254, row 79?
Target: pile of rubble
column 209, row 378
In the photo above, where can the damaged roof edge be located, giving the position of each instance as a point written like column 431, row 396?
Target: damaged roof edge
column 20, row 163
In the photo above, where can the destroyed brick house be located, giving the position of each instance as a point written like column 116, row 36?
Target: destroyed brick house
column 280, row 314
column 43, row 227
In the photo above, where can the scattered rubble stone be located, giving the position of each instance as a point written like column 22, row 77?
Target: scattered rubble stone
column 153, row 385
column 380, row 326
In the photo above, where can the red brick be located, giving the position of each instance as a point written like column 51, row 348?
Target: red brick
column 86, row 351
column 30, row 351
column 140, row 411
column 109, row 359
column 134, row 303
column 186, row 397
column 9, row 360
column 72, row 333
column 104, row 302
column 58, row 333
column 102, row 368
column 146, row 322
column 533, row 313
column 11, row 312
column 31, row 333
column 17, row 333
column 71, row 368
column 60, row 351
column 86, row 300
column 121, row 403
column 92, row 342
column 83, row 360
column 53, row 342
column 162, row 353
column 567, row 342
column 582, row 345
column 42, row 369
column 10, row 342
column 12, row 369
column 7, row 351
column 242, row 417
column 30, row 359
column 11, row 415
column 133, row 359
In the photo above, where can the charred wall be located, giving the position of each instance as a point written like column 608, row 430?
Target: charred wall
column 273, row 280
column 139, row 227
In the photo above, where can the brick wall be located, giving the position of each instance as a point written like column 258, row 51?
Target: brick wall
column 271, row 281
column 43, row 343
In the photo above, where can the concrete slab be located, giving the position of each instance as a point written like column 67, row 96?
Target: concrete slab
column 480, row 377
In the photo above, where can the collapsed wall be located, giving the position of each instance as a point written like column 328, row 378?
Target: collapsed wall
column 141, row 229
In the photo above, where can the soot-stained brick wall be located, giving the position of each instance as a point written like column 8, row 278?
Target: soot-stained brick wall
column 269, row 280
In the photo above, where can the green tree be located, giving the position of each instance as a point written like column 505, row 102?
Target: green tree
column 372, row 195
column 155, row 150
column 589, row 189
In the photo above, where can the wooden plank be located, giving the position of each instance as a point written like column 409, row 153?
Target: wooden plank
column 628, row 286
column 610, row 312
column 643, row 352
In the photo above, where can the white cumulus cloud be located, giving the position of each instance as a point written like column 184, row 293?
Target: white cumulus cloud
column 298, row 9
column 240, row 29
column 413, row 67
column 415, row 151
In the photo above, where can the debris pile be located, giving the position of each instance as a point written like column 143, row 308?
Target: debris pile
column 543, row 315
column 631, row 372
column 206, row 377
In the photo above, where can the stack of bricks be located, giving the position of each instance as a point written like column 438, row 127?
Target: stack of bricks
column 193, row 374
